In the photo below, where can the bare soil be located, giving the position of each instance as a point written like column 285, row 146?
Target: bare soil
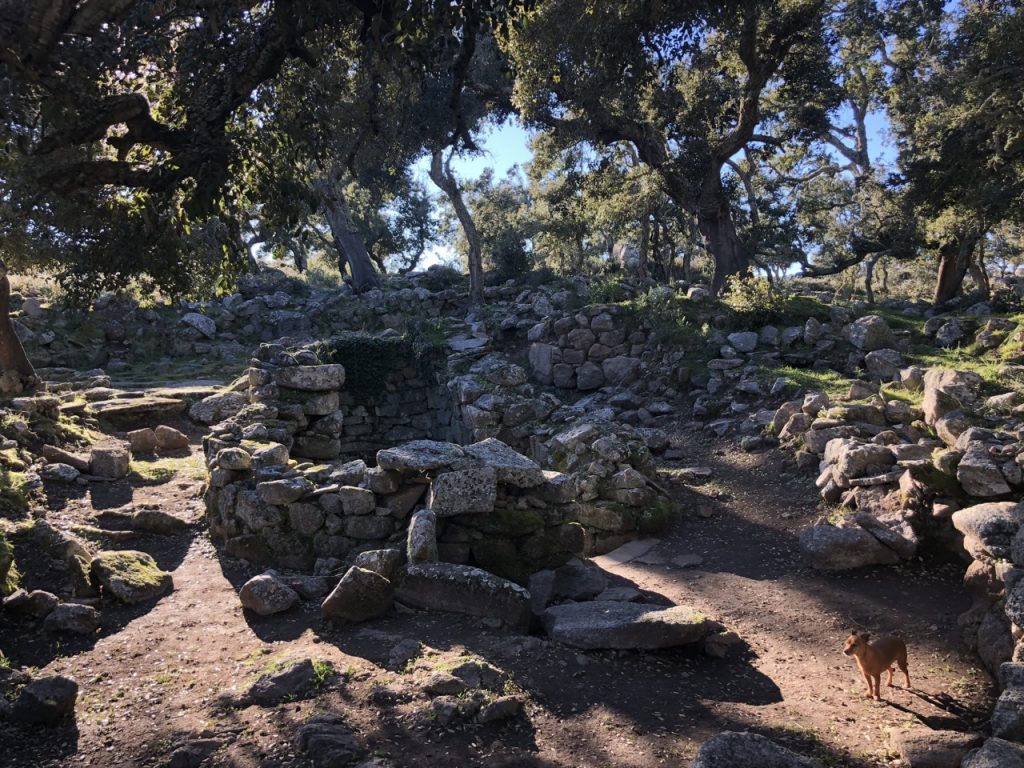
column 159, row 674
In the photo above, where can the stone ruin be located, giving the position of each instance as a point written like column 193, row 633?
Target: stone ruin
column 293, row 479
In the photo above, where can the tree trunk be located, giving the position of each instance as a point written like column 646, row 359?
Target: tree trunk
column 12, row 354
column 442, row 176
column 869, row 274
column 714, row 220
column 349, row 245
column 954, row 258
column 645, row 244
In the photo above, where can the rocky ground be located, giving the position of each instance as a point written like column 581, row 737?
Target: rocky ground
column 164, row 683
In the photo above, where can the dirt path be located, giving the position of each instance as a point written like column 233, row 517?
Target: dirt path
column 157, row 676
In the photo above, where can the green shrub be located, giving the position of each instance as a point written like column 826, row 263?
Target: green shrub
column 607, row 289
column 756, row 299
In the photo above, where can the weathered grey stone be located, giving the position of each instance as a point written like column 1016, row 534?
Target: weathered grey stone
column 142, row 441
column 266, row 595
column 234, row 459
column 293, row 682
column 311, row 378
column 465, row 590
column 63, row 473
column 578, row 580
column 732, row 749
column 369, row 527
column 356, row 501
column 995, row 753
column 74, row 618
column 927, row 748
column 205, row 325
column 45, row 700
column 883, row 364
column 285, row 491
column 110, row 463
column 828, row 548
column 979, row 475
column 614, row 624
column 421, row 456
column 329, row 743
column 215, row 408
column 170, row 439
column 1007, row 719
column 130, row 576
column 620, row 371
column 383, row 481
column 946, row 390
column 421, row 540
column 386, row 562
column 743, row 341
column 869, row 333
column 360, row 595
column 989, row 528
column 512, row 467
column 463, row 492
column 305, row 519
column 589, row 376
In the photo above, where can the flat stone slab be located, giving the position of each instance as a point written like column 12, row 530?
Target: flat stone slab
column 732, row 749
column 512, row 467
column 626, row 553
column 423, row 456
column 615, row 624
column 130, row 410
column 466, row 590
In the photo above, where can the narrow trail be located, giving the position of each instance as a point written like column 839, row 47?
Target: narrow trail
column 157, row 675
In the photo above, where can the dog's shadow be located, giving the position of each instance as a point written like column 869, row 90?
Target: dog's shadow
column 959, row 716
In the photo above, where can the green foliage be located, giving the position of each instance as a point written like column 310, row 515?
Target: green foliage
column 323, row 671
column 755, row 299
column 672, row 316
column 608, row 289
column 369, row 360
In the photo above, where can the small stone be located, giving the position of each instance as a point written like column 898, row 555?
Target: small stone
column 360, row 595
column 142, row 441
column 266, row 595
column 73, row 618
column 170, row 439
column 109, row 463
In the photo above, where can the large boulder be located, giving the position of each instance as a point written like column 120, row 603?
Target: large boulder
column 979, row 475
column 615, row 624
column 465, row 590
column 989, row 528
column 74, row 618
column 215, row 408
column 927, row 748
column 946, row 390
column 995, row 753
column 360, row 595
column 828, row 548
column 869, row 333
column 130, row 576
column 733, row 749
column 45, row 700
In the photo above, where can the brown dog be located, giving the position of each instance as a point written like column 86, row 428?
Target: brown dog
column 874, row 658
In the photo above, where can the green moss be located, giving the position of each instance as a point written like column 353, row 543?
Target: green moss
column 826, row 380
column 8, row 570
column 163, row 470
column 13, row 492
column 370, row 360
column 136, row 571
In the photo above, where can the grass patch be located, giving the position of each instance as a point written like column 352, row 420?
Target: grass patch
column 322, row 672
column 831, row 382
column 166, row 468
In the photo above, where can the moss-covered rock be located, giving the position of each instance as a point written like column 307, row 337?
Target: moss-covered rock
column 130, row 576
column 656, row 517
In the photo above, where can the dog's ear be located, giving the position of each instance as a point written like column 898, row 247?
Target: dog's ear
column 865, row 636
